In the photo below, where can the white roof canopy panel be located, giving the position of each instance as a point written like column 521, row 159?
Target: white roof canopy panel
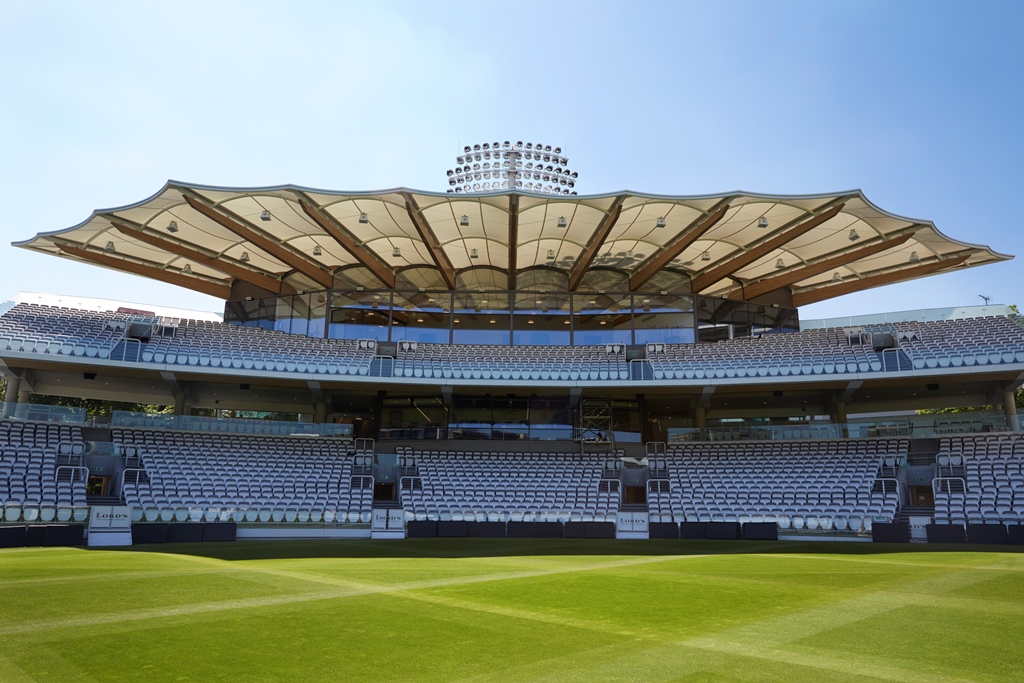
column 226, row 237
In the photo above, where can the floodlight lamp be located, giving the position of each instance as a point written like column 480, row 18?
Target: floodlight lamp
column 109, row 248
column 836, row 277
column 558, row 150
column 660, row 223
column 507, row 144
column 244, row 258
column 467, row 149
column 519, row 144
column 705, row 256
column 914, row 258
column 762, row 222
column 476, row 148
column 172, row 226
column 363, row 218
column 317, row 251
column 562, row 222
column 187, row 270
column 853, row 235
column 780, row 264
column 396, row 252
column 551, row 254
column 464, row 221
column 265, row 216
column 473, row 253
column 487, row 145
column 451, row 172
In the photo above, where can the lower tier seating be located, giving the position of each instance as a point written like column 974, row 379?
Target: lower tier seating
column 837, row 484
column 184, row 475
column 506, row 486
column 982, row 480
column 40, row 475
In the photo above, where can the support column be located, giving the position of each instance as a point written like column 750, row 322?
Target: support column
column 24, row 395
column 700, row 417
column 319, row 412
column 1010, row 410
column 841, row 417
column 179, row 404
column 11, row 397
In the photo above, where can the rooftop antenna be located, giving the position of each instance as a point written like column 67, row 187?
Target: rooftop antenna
column 985, row 298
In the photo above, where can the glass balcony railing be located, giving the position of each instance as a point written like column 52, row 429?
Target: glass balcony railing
column 197, row 423
column 43, row 413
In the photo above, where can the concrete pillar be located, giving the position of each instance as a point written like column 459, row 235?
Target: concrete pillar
column 700, row 417
column 1010, row 410
column 319, row 412
column 13, row 387
column 11, row 397
column 24, row 395
column 179, row 404
column 841, row 418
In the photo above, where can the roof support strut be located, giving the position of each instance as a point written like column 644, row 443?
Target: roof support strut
column 747, row 256
column 811, row 296
column 430, row 239
column 251, row 233
column 595, row 243
column 770, row 284
column 222, row 264
column 221, row 291
column 333, row 227
column 693, row 232
column 513, row 238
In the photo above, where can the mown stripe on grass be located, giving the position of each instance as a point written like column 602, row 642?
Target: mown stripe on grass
column 762, row 640
column 344, row 589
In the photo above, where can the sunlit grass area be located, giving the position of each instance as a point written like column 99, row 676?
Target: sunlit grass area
column 511, row 610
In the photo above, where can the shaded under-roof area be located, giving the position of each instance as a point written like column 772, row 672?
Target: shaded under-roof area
column 285, row 239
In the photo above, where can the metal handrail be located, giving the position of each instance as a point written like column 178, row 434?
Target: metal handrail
column 73, row 468
column 899, row 485
column 124, row 476
column 658, row 481
column 948, row 479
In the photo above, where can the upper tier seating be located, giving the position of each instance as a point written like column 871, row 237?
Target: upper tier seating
column 506, row 486
column 31, row 485
column 72, row 332
column 800, row 484
column 512, row 362
column 985, row 482
column 193, row 476
column 31, row 328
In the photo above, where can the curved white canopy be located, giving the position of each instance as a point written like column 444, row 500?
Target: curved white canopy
column 736, row 244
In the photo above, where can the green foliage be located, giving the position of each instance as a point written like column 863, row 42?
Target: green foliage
column 511, row 610
column 100, row 408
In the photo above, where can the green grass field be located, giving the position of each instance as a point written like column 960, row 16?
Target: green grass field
column 510, row 610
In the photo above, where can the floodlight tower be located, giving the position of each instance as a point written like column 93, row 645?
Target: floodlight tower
column 500, row 167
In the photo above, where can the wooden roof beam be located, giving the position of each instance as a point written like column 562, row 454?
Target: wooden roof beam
column 747, row 256
column 821, row 293
column 221, row 291
column 225, row 266
column 440, row 258
column 257, row 237
column 513, row 239
column 595, row 243
column 770, row 284
column 693, row 232
column 344, row 237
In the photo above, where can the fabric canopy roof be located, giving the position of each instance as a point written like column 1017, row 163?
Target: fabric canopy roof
column 285, row 239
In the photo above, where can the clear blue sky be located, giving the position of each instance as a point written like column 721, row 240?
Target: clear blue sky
column 918, row 103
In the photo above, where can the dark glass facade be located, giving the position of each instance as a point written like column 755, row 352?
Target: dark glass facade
column 522, row 318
